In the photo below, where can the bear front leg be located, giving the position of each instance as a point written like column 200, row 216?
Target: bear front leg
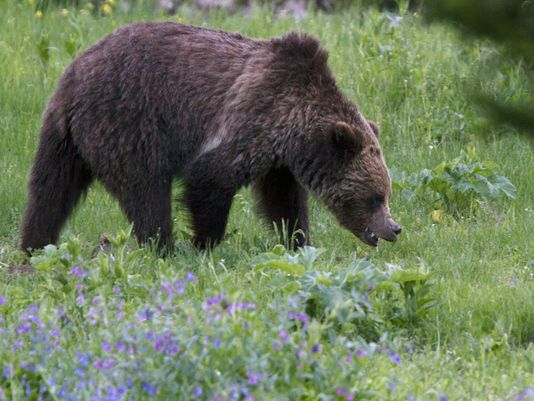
column 211, row 181
column 209, row 206
column 149, row 210
column 209, row 191
column 283, row 200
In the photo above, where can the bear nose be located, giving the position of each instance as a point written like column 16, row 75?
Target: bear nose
column 396, row 229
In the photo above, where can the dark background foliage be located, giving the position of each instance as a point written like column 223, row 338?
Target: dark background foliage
column 509, row 23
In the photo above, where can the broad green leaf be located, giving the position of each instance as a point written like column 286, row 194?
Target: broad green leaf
column 324, row 280
column 504, row 185
column 403, row 276
column 293, row 269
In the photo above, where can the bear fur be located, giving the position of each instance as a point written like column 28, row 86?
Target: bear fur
column 155, row 101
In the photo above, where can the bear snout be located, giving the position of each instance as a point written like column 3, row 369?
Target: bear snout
column 392, row 232
column 396, row 228
column 386, row 229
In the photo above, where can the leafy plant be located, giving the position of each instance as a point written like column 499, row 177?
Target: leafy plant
column 293, row 265
column 416, row 288
column 43, row 50
column 357, row 300
column 343, row 300
column 456, row 184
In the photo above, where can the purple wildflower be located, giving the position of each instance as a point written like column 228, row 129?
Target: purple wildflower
column 83, row 359
column 234, row 307
column 361, row 353
column 300, row 316
column 347, row 395
column 190, row 277
column 78, row 272
column 166, row 287
column 215, row 300
column 179, row 287
column 32, row 315
column 283, row 336
column 23, row 328
column 8, row 371
column 316, row 348
column 149, row 389
column 526, row 395
column 2, row 300
column 55, row 333
column 80, row 299
column 197, row 392
column 104, row 363
column 395, row 358
column 106, row 347
column 253, row 378
column 92, row 315
column 341, row 391
column 145, row 315
column 120, row 346
column 166, row 345
column 30, row 366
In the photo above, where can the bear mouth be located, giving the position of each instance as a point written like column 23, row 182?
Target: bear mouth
column 369, row 237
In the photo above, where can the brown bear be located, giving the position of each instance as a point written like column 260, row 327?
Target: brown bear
column 155, row 101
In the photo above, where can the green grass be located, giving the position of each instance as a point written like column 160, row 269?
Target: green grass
column 475, row 343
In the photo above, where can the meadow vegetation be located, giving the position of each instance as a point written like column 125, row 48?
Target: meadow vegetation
column 445, row 313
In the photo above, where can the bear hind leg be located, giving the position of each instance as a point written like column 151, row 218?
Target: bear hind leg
column 283, row 201
column 58, row 179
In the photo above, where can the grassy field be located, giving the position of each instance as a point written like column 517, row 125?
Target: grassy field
column 445, row 313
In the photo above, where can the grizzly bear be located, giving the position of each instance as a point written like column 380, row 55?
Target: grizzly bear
column 154, row 101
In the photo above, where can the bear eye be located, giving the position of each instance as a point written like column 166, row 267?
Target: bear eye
column 376, row 201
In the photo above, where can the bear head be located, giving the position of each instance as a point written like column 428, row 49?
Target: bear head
column 333, row 150
column 359, row 195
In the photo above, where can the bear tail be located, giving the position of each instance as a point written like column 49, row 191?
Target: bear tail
column 57, row 180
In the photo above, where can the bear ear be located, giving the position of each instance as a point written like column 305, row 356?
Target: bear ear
column 345, row 138
column 374, row 127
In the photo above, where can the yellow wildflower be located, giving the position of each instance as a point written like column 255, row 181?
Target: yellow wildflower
column 64, row 12
column 436, row 215
column 38, row 13
column 112, row 2
column 106, row 8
